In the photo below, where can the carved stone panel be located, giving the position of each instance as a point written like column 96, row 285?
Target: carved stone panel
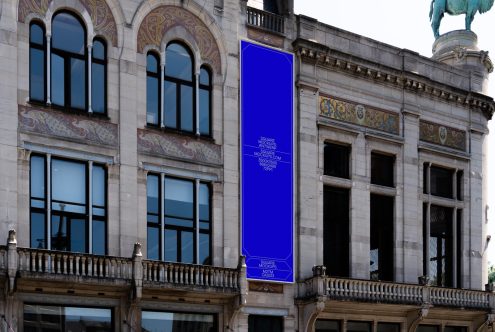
column 359, row 114
column 441, row 135
column 77, row 128
column 163, row 18
column 266, row 287
column 179, row 147
column 101, row 15
column 265, row 37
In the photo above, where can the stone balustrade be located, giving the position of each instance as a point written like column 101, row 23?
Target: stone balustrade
column 394, row 293
column 70, row 266
column 190, row 275
column 266, row 20
column 75, row 264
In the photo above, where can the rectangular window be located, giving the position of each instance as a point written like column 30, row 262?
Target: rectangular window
column 428, row 328
column 325, row 325
column 440, row 243
column 381, row 238
column 336, row 231
column 455, row 329
column 155, row 321
column 382, row 169
column 179, row 224
column 441, row 182
column 336, row 160
column 63, row 218
column 258, row 323
column 388, row 327
column 358, row 326
column 57, row 318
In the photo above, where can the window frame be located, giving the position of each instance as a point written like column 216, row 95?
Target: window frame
column 208, row 88
column 341, row 148
column 67, row 56
column 196, row 229
column 42, row 48
column 49, row 213
column 156, row 75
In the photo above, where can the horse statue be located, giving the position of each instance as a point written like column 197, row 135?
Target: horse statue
column 456, row 7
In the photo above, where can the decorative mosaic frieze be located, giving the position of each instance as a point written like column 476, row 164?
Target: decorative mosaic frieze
column 442, row 135
column 178, row 146
column 101, row 15
column 359, row 114
column 77, row 128
column 163, row 18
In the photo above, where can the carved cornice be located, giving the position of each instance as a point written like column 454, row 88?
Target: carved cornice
column 320, row 55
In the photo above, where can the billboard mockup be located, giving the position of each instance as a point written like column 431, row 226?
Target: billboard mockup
column 267, row 162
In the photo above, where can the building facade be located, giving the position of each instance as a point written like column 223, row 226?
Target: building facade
column 120, row 173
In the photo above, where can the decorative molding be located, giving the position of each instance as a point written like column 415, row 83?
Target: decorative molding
column 265, row 37
column 73, row 127
column 442, row 135
column 322, row 56
column 266, row 287
column 178, row 146
column 163, row 18
column 101, row 15
column 359, row 114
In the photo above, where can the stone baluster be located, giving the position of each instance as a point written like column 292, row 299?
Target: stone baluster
column 12, row 259
column 137, row 270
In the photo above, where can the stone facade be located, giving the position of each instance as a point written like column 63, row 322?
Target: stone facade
column 351, row 90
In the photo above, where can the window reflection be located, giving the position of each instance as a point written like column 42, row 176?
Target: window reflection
column 37, row 62
column 98, row 77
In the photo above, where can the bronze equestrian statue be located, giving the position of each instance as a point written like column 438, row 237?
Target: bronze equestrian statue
column 456, row 7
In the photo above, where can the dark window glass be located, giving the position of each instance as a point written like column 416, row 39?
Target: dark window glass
column 440, row 243
column 388, row 327
column 382, row 238
column 70, row 209
column 54, row 318
column 336, row 231
column 37, row 34
column 186, row 110
column 460, row 186
column 58, row 80
column 204, row 102
column 37, row 62
column 428, row 328
column 455, row 329
column 152, row 90
column 358, row 327
column 68, row 62
column 98, row 77
column 258, row 323
column 178, row 62
column 179, row 94
column 153, row 243
column 171, row 254
column 441, row 182
column 336, row 161
column 459, row 248
column 204, row 222
column 154, row 321
column 324, row 325
column 170, row 104
column 382, row 169
column 425, row 178
column 68, row 34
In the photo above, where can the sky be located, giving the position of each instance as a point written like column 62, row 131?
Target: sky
column 405, row 24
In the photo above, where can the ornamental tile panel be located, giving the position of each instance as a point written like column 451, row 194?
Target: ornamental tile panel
column 101, row 15
column 163, row 18
column 359, row 114
column 77, row 128
column 442, row 135
column 179, row 147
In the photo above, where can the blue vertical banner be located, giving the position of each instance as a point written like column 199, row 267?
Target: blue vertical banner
column 267, row 166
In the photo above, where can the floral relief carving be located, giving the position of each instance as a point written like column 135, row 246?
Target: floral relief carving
column 163, row 18
column 439, row 134
column 73, row 127
column 180, row 147
column 100, row 12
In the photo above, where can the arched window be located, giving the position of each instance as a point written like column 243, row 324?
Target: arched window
column 68, row 62
column 152, row 89
column 178, row 91
column 37, row 62
column 98, row 77
column 204, row 102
